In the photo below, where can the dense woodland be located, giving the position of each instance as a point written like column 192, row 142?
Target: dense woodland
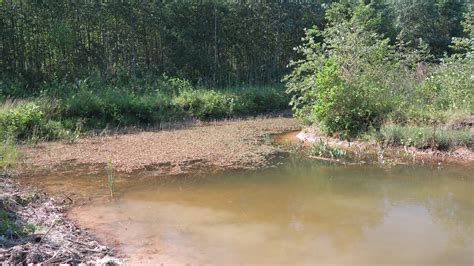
column 395, row 70
column 224, row 43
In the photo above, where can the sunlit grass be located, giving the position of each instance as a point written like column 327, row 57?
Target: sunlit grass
column 426, row 137
column 9, row 154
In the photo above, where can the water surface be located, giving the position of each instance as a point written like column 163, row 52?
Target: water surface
column 301, row 212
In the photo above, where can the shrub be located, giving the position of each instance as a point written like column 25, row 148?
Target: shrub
column 340, row 82
column 350, row 80
column 206, row 104
column 119, row 107
column 26, row 120
column 133, row 101
column 258, row 100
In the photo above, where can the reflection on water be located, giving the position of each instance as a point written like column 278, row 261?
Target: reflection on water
column 301, row 212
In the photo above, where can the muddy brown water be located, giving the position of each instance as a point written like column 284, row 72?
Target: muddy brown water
column 299, row 212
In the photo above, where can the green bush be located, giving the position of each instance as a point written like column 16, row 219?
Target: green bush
column 259, row 100
column 323, row 149
column 206, row 104
column 216, row 104
column 119, row 107
column 25, row 121
column 351, row 80
column 95, row 103
column 340, row 83
column 449, row 87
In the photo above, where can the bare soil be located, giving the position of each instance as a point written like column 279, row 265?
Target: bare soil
column 228, row 144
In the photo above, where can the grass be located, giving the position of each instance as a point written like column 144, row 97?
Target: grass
column 63, row 110
column 110, row 178
column 426, row 137
column 7, row 226
column 8, row 154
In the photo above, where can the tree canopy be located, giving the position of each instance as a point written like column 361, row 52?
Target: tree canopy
column 212, row 42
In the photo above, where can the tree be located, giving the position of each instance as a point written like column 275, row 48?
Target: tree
column 338, row 83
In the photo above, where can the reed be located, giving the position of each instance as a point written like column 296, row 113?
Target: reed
column 110, row 177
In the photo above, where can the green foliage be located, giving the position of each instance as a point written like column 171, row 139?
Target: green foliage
column 260, row 100
column 118, row 107
column 8, row 154
column 214, row 104
column 206, row 104
column 225, row 43
column 436, row 21
column 110, row 178
column 426, row 137
column 339, row 83
column 24, row 121
column 9, row 228
column 63, row 110
column 351, row 80
column 449, row 87
column 6, row 224
column 323, row 149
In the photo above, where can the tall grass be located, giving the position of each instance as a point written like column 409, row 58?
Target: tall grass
column 426, row 137
column 110, row 177
column 9, row 154
column 63, row 109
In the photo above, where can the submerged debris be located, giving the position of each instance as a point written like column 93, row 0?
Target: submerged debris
column 34, row 229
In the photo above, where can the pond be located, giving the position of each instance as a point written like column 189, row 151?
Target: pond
column 299, row 212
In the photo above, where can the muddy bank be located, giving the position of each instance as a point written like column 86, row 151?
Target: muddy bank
column 379, row 152
column 229, row 144
column 37, row 229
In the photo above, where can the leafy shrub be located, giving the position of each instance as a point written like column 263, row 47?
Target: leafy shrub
column 258, row 100
column 140, row 101
column 449, row 87
column 350, row 80
column 119, row 107
column 176, row 85
column 206, row 104
column 25, row 121
column 340, row 81
column 13, row 89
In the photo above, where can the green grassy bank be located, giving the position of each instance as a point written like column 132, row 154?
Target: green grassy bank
column 62, row 110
